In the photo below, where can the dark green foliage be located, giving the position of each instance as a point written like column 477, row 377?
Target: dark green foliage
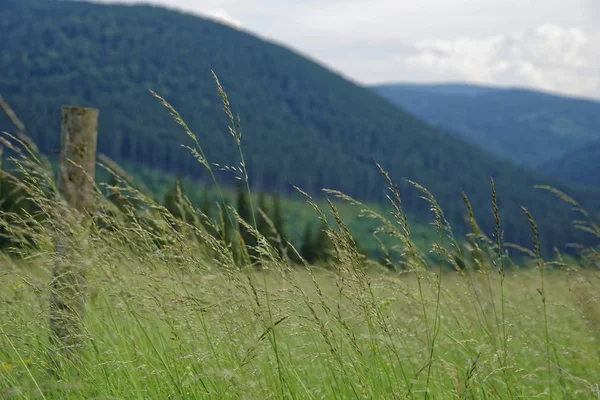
column 228, row 232
column 323, row 246
column 173, row 198
column 12, row 197
column 117, row 195
column 303, row 125
column 386, row 260
column 308, row 250
column 243, row 205
column 279, row 236
column 361, row 250
column 262, row 224
column 277, row 217
column 15, row 203
column 226, row 224
column 246, row 214
column 317, row 246
column 206, row 205
column 12, row 200
column 523, row 126
column 113, row 195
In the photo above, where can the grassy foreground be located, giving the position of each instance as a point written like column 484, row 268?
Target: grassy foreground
column 176, row 309
column 174, row 325
column 171, row 314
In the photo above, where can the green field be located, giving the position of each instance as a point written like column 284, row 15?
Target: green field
column 175, row 325
column 171, row 314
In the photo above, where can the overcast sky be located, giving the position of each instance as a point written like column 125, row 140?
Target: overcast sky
column 546, row 44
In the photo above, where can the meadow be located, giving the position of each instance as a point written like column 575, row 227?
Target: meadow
column 177, row 308
column 173, row 323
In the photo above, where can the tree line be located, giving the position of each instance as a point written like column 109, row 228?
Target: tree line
column 303, row 125
column 266, row 216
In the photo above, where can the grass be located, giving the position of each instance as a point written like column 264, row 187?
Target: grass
column 173, row 313
column 297, row 212
column 167, row 327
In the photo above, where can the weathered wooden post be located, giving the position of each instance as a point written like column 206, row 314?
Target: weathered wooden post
column 79, row 133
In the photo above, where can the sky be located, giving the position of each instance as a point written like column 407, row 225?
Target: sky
column 550, row 45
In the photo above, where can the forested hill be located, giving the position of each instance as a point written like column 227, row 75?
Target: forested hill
column 302, row 124
column 579, row 166
column 522, row 126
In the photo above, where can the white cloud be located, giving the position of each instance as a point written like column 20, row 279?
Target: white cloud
column 549, row 57
column 224, row 17
column 216, row 10
column 371, row 41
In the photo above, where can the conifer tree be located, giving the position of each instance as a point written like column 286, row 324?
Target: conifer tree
column 243, row 205
column 245, row 213
column 278, row 219
column 308, row 245
column 277, row 216
column 224, row 222
column 278, row 223
column 206, row 209
column 261, row 222
column 323, row 246
column 172, row 200
column 206, row 206
column 228, row 231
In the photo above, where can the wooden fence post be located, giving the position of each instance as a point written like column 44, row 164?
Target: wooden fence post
column 79, row 133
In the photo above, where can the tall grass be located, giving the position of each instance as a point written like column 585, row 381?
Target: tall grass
column 173, row 312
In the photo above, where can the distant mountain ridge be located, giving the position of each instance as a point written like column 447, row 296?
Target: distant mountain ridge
column 465, row 88
column 519, row 125
column 581, row 166
column 302, row 124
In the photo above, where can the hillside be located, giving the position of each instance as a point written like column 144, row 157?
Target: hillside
column 297, row 212
column 303, row 124
column 578, row 166
column 522, row 126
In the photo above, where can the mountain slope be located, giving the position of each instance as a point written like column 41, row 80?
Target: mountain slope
column 302, row 124
column 522, row 126
column 580, row 166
